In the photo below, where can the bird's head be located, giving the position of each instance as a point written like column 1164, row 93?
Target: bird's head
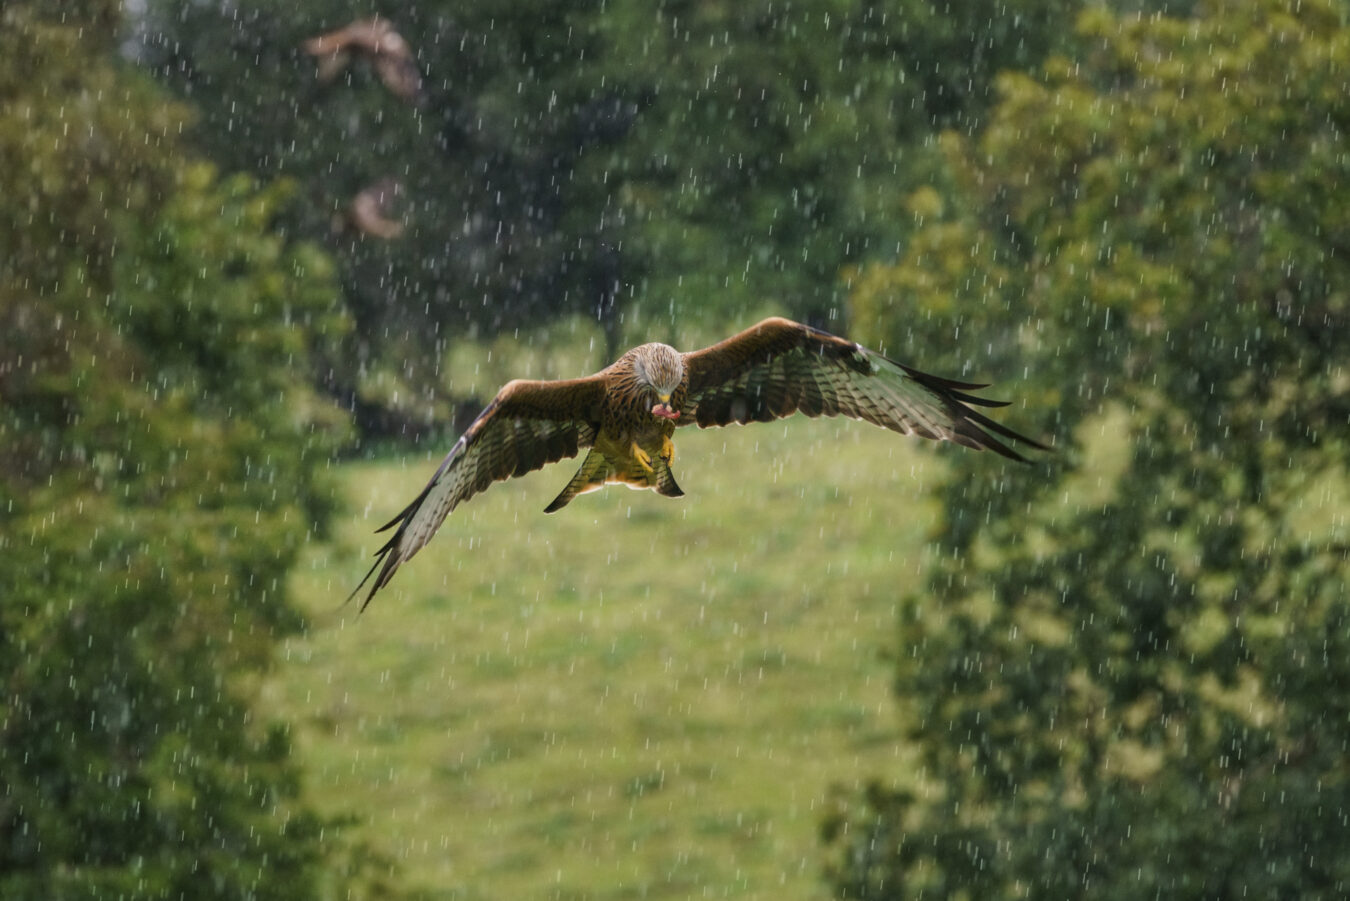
column 660, row 368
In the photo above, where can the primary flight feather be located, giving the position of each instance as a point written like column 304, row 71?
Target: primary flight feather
column 626, row 414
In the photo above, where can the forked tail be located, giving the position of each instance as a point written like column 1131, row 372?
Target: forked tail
column 596, row 471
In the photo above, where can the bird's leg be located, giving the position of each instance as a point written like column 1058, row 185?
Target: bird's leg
column 641, row 456
column 667, row 449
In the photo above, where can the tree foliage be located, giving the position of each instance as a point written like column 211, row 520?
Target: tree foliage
column 160, row 452
column 1128, row 676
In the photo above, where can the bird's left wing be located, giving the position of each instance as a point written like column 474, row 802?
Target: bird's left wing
column 527, row 425
column 780, row 367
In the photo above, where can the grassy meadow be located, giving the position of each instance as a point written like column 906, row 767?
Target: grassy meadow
column 632, row 698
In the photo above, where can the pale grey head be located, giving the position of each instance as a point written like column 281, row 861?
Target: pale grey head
column 661, row 367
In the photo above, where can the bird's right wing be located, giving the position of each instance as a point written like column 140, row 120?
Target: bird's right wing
column 527, row 425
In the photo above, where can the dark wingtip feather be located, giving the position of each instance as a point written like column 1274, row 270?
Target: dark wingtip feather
column 998, row 427
column 978, row 401
column 387, row 554
column 982, row 440
column 366, row 578
column 382, row 556
column 973, row 424
column 937, row 381
column 405, row 513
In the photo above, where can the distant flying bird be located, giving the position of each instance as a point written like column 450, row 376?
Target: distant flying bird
column 369, row 210
column 627, row 413
column 376, row 41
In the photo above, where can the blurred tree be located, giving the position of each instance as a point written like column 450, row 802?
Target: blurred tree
column 648, row 165
column 160, row 450
column 1128, row 676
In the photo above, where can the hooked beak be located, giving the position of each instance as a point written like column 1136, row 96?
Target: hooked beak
column 663, row 409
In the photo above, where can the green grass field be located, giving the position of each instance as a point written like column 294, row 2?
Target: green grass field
column 632, row 698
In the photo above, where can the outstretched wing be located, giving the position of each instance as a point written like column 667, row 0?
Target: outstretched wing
column 780, row 367
column 377, row 40
column 527, row 425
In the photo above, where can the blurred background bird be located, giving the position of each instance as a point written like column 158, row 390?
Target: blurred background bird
column 375, row 41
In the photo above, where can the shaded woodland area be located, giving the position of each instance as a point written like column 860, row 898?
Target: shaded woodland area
column 232, row 259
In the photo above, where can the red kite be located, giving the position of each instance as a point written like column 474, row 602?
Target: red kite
column 627, row 413
column 368, row 212
column 372, row 39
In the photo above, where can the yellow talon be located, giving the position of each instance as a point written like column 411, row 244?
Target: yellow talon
column 644, row 459
column 667, row 449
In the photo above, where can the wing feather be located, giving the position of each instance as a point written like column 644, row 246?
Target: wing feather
column 810, row 399
column 780, row 367
column 526, row 426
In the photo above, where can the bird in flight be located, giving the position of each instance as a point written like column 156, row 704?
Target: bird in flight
column 627, row 413
column 374, row 40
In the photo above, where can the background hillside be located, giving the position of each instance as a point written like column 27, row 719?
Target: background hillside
column 634, row 698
